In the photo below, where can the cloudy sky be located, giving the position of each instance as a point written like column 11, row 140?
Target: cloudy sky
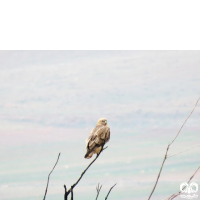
column 50, row 100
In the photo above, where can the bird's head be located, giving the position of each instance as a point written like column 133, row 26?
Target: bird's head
column 102, row 121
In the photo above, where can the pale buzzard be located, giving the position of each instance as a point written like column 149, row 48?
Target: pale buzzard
column 97, row 138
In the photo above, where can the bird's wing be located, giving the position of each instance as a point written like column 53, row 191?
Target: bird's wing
column 94, row 137
column 89, row 137
column 105, row 135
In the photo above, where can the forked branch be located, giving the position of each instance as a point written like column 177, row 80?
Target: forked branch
column 98, row 188
column 165, row 157
column 74, row 185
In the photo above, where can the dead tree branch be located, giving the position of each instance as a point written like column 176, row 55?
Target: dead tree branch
column 183, row 151
column 65, row 195
column 175, row 195
column 185, row 121
column 74, row 185
column 165, row 157
column 98, row 190
column 72, row 193
column 110, row 190
column 49, row 177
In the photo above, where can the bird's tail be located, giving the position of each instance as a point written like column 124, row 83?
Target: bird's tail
column 89, row 154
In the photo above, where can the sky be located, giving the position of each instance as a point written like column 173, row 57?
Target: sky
column 50, row 100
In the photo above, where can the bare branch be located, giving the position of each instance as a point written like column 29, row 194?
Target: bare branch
column 65, row 195
column 74, row 185
column 72, row 193
column 104, row 148
column 110, row 190
column 183, row 151
column 49, row 177
column 98, row 190
column 165, row 157
column 175, row 195
column 185, row 122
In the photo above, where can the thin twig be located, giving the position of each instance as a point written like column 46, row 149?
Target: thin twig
column 185, row 122
column 110, row 190
column 104, row 148
column 98, row 190
column 74, row 185
column 165, row 157
column 175, row 195
column 183, row 151
column 49, row 177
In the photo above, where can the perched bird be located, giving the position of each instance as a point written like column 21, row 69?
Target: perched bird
column 97, row 138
